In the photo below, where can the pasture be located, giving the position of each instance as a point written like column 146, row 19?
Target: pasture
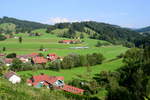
column 32, row 44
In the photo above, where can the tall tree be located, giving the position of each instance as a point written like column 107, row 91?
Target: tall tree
column 20, row 39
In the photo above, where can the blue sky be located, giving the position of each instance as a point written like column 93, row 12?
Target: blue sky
column 126, row 13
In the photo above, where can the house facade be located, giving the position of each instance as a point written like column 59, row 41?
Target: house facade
column 69, row 41
column 39, row 60
column 56, row 82
column 12, row 77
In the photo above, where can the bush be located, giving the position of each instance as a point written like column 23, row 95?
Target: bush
column 11, row 55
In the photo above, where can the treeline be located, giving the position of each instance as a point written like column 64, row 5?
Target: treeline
column 102, row 31
column 76, row 60
column 22, row 25
column 144, row 41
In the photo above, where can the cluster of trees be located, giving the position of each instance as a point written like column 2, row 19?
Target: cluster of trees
column 143, row 41
column 8, row 28
column 68, row 62
column 99, row 44
column 2, row 37
column 75, row 60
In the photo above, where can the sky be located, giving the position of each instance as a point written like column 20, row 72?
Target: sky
column 125, row 13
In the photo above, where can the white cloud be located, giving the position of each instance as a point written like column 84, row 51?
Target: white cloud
column 62, row 20
column 59, row 20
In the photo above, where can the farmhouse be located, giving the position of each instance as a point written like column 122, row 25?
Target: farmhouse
column 8, row 61
column 23, row 58
column 12, row 77
column 69, row 41
column 52, row 57
column 2, row 55
column 39, row 60
column 56, row 82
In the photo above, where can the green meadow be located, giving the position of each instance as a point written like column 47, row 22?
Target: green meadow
column 32, row 44
column 80, row 72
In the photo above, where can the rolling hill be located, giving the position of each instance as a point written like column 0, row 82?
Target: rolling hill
column 145, row 29
column 96, row 30
column 22, row 25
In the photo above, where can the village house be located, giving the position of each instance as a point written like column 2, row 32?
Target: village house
column 23, row 58
column 2, row 55
column 12, row 77
column 8, row 61
column 56, row 82
column 39, row 60
column 52, row 57
column 69, row 41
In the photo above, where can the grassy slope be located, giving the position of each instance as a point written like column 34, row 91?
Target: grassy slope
column 32, row 44
column 21, row 91
column 73, row 73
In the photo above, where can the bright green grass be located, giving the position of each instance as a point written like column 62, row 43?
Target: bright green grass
column 49, row 41
column 69, row 74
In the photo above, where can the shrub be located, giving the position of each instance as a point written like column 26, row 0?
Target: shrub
column 11, row 55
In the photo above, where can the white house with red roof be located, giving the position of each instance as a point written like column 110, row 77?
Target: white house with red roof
column 52, row 57
column 8, row 61
column 23, row 58
column 69, row 41
column 56, row 82
column 12, row 77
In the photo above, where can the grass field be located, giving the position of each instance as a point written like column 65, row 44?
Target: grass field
column 33, row 43
column 81, row 72
column 49, row 41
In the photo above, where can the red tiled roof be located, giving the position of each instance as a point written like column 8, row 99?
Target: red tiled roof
column 8, row 60
column 52, row 54
column 23, row 56
column 40, row 78
column 2, row 54
column 9, row 74
column 51, row 79
column 72, row 89
column 39, row 60
column 33, row 55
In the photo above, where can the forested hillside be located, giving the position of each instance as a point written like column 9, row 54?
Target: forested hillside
column 22, row 25
column 146, row 29
column 96, row 30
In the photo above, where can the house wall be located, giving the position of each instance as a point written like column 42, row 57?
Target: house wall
column 15, row 79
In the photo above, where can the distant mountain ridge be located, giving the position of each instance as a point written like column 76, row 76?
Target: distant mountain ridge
column 23, row 25
column 145, row 29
